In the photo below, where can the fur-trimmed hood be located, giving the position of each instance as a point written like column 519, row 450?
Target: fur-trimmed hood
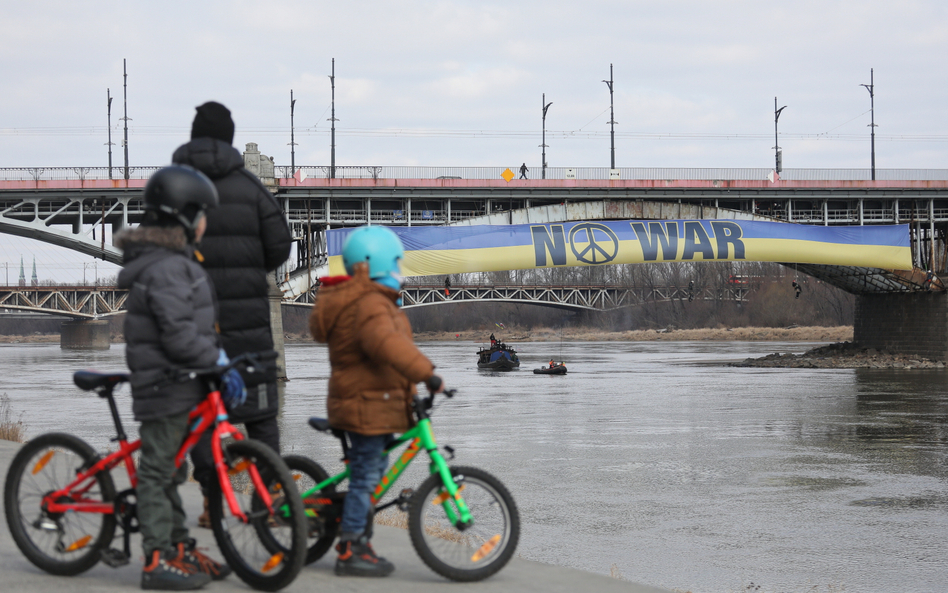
column 142, row 246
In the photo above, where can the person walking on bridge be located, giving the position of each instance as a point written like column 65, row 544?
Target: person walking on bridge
column 247, row 236
column 523, row 171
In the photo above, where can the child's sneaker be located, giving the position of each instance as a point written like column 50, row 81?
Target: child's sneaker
column 166, row 572
column 358, row 559
column 198, row 562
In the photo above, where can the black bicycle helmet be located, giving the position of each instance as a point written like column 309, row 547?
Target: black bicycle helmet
column 181, row 193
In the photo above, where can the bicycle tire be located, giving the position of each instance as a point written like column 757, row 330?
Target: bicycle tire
column 481, row 549
column 268, row 551
column 321, row 533
column 63, row 544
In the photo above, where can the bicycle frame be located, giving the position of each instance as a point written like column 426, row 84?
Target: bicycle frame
column 418, row 437
column 210, row 412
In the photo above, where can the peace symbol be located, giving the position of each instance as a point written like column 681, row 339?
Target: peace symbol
column 594, row 252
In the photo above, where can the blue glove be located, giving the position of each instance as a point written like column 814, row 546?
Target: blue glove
column 233, row 391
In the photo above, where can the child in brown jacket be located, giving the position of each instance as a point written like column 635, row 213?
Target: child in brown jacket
column 375, row 368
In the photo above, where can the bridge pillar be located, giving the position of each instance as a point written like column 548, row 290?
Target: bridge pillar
column 276, row 326
column 914, row 323
column 84, row 335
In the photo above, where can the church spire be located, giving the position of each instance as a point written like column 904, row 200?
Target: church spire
column 35, row 282
column 22, row 281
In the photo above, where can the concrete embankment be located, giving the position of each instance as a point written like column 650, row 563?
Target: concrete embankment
column 411, row 575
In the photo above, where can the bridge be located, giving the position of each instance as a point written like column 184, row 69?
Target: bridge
column 80, row 207
column 96, row 302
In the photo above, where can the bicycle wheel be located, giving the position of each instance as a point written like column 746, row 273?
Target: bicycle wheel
column 323, row 524
column 477, row 551
column 269, row 549
column 59, row 543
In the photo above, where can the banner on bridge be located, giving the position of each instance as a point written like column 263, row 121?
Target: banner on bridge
column 490, row 248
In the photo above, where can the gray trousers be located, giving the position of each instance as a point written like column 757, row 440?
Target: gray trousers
column 160, row 511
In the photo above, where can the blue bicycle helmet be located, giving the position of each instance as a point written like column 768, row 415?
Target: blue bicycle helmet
column 378, row 246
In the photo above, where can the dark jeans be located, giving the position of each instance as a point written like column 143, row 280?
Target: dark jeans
column 266, row 431
column 159, row 506
column 366, row 466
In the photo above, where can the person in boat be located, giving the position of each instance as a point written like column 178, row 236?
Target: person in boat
column 552, row 364
column 493, row 341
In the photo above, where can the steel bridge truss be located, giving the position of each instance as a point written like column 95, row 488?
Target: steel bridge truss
column 586, row 298
column 79, row 302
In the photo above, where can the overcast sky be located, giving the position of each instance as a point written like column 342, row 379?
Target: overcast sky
column 459, row 83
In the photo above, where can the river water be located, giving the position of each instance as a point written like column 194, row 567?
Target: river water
column 653, row 459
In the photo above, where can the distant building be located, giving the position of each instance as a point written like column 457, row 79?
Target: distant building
column 35, row 281
column 22, row 274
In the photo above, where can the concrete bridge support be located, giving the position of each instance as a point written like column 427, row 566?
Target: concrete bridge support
column 85, row 335
column 914, row 323
column 276, row 327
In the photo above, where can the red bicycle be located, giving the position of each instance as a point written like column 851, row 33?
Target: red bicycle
column 62, row 507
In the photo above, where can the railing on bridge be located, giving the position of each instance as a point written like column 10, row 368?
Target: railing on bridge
column 484, row 173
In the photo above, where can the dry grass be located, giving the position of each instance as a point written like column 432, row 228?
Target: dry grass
column 10, row 429
column 392, row 517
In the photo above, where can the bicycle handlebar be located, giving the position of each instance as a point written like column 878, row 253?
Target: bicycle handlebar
column 247, row 359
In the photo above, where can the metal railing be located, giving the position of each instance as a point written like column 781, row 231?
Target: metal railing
column 490, row 173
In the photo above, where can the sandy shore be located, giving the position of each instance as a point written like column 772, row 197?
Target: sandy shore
column 756, row 334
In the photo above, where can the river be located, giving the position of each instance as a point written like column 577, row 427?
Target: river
column 652, row 459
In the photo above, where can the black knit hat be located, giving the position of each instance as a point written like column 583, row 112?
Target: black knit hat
column 213, row 121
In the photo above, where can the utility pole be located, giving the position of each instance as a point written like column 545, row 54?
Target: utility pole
column 125, row 119
column 332, row 163
column 778, row 154
column 108, row 94
column 612, row 121
column 872, row 126
column 292, row 141
column 545, row 107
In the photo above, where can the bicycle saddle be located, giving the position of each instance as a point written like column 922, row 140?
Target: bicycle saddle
column 98, row 382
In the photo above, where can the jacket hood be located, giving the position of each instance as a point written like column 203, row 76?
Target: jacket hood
column 215, row 158
column 337, row 293
column 142, row 246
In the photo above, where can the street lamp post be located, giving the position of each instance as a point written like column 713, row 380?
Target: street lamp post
column 612, row 121
column 125, row 102
column 872, row 125
column 332, row 163
column 108, row 95
column 292, row 141
column 778, row 161
column 543, row 146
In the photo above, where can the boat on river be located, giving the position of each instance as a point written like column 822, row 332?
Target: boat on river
column 499, row 357
column 559, row 369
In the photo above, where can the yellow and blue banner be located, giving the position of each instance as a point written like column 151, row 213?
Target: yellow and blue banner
column 491, row 248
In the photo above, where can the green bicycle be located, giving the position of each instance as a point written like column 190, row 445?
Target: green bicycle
column 463, row 522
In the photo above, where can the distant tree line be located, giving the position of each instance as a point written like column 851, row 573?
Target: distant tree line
column 771, row 299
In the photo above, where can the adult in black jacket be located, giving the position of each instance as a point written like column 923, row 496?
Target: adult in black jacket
column 247, row 236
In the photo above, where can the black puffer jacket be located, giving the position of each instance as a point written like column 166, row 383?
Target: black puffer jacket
column 169, row 322
column 247, row 236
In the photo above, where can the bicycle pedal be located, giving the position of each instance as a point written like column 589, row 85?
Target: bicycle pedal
column 114, row 558
column 404, row 497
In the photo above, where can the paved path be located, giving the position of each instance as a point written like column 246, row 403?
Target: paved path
column 411, row 575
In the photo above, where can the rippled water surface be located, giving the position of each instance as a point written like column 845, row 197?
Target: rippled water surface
column 653, row 457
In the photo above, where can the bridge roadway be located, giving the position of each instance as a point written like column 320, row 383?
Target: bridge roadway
column 72, row 206
column 410, row 576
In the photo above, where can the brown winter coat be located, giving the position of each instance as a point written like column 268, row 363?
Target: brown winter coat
column 375, row 363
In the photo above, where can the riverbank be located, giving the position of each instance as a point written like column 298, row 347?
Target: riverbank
column 582, row 334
